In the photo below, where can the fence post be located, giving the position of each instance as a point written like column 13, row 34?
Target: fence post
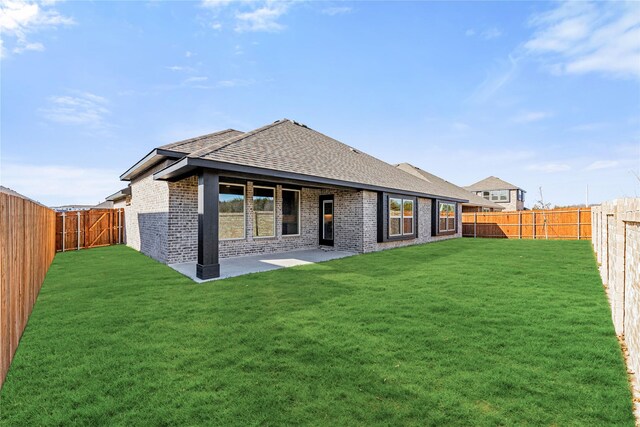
column 578, row 223
column 534, row 224
column 520, row 225
column 64, row 230
column 475, row 223
column 78, row 227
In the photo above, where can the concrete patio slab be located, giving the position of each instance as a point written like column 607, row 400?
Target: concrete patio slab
column 231, row 267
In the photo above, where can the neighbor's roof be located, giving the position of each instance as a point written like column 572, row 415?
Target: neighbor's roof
column 450, row 188
column 190, row 145
column 492, row 183
column 288, row 147
column 11, row 192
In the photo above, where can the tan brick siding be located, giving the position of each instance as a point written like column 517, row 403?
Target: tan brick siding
column 616, row 242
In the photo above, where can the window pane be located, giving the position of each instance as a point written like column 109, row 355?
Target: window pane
column 327, row 219
column 408, row 226
column 408, row 208
column 290, row 212
column 395, row 209
column 231, row 205
column 264, row 213
column 394, row 226
column 451, row 226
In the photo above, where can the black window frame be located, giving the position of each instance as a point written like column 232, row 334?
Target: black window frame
column 383, row 217
column 435, row 218
column 299, row 215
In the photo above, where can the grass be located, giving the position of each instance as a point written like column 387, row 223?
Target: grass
column 463, row 332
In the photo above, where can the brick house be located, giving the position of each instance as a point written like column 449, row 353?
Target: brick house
column 510, row 196
column 475, row 203
column 277, row 188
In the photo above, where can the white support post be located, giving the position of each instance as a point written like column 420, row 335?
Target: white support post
column 64, row 230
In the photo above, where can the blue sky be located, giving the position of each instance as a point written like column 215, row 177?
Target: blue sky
column 540, row 94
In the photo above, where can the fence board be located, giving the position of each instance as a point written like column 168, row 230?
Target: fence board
column 554, row 224
column 89, row 229
column 27, row 247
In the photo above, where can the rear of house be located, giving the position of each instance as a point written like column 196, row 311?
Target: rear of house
column 278, row 188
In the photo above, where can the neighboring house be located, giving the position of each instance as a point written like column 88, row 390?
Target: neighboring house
column 278, row 188
column 67, row 208
column 120, row 198
column 501, row 192
column 475, row 203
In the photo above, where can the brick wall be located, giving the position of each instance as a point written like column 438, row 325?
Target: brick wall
column 182, row 227
column 616, row 242
column 146, row 218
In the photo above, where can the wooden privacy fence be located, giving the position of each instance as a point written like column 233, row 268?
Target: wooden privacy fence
column 89, row 229
column 557, row 224
column 27, row 247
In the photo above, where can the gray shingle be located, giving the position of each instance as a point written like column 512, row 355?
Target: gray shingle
column 287, row 146
column 451, row 188
column 194, row 144
column 492, row 183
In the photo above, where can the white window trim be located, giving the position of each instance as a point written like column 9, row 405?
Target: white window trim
column 275, row 220
column 455, row 217
column 244, row 213
column 299, row 214
column 390, row 217
column 403, row 217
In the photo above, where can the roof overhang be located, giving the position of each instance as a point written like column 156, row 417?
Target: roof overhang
column 119, row 195
column 156, row 155
column 188, row 165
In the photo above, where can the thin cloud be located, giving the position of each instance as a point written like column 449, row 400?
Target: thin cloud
column 549, row 167
column 496, row 79
column 580, row 38
column 602, row 164
column 82, row 108
column 264, row 18
column 180, row 68
column 338, row 10
column 531, row 116
column 491, row 33
column 19, row 19
column 58, row 185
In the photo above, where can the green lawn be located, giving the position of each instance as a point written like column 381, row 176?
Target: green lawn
column 463, row 332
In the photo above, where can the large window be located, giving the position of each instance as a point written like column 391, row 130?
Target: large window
column 231, row 205
column 264, row 212
column 401, row 217
column 290, row 212
column 495, row 195
column 446, row 217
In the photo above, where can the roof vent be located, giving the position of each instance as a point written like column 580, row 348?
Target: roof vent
column 354, row 150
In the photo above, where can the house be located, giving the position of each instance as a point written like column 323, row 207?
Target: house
column 475, row 203
column 120, row 198
column 69, row 208
column 278, row 188
column 510, row 196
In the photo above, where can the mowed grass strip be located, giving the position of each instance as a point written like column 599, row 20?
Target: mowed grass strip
column 462, row 332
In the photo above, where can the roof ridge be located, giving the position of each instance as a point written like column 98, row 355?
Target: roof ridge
column 198, row 138
column 227, row 142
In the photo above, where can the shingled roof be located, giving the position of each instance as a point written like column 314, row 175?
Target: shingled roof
column 492, row 183
column 451, row 188
column 194, row 144
column 287, row 147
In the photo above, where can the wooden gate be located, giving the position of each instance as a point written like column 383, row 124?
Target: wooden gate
column 92, row 228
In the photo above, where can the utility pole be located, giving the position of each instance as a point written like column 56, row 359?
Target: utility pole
column 544, row 215
column 586, row 205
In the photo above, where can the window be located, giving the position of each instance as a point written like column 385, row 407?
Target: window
column 446, row 217
column 407, row 217
column 400, row 217
column 496, row 195
column 231, row 206
column 521, row 195
column 290, row 212
column 264, row 212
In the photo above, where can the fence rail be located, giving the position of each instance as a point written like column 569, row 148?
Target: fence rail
column 27, row 247
column 556, row 224
column 92, row 228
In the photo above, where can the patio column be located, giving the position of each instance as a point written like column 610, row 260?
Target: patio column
column 208, row 266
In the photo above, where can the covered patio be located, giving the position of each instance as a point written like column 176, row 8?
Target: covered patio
column 237, row 266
